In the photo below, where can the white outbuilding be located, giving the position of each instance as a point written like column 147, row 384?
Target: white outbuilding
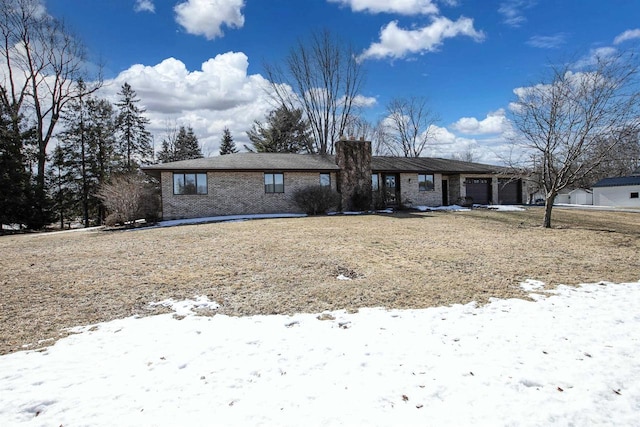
column 581, row 196
column 621, row 191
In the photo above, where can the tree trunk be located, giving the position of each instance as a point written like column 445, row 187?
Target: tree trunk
column 548, row 206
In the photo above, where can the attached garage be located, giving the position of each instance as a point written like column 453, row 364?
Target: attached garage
column 509, row 191
column 479, row 190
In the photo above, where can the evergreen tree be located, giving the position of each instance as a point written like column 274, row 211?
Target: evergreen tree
column 286, row 131
column 182, row 145
column 187, row 146
column 86, row 158
column 62, row 187
column 14, row 178
column 75, row 149
column 227, row 145
column 134, row 139
column 101, row 129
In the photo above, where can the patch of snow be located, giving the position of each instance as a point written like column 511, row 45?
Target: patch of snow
column 225, row 218
column 11, row 227
column 505, row 208
column 187, row 307
column 343, row 277
column 451, row 208
column 569, row 359
column 531, row 285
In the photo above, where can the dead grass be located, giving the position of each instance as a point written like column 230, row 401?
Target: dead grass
column 406, row 260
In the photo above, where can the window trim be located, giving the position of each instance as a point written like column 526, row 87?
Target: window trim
column 273, row 182
column 184, row 179
column 433, row 182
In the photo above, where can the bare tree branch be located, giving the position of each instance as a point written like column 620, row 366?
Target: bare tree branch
column 408, row 126
column 564, row 120
column 323, row 78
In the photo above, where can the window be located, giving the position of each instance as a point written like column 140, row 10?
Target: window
column 634, row 195
column 189, row 183
column 274, row 183
column 375, row 184
column 425, row 182
column 325, row 180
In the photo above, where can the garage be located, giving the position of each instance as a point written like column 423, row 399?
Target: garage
column 479, row 190
column 509, row 191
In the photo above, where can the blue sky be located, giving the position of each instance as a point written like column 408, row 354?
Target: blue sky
column 200, row 62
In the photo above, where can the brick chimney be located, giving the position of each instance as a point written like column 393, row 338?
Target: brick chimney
column 354, row 179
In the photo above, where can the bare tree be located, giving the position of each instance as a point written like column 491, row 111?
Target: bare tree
column 129, row 197
column 468, row 155
column 323, row 78
column 408, row 126
column 168, row 149
column 42, row 61
column 359, row 127
column 562, row 119
column 622, row 161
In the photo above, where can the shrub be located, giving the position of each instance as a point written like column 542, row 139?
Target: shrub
column 128, row 198
column 113, row 220
column 361, row 200
column 316, row 199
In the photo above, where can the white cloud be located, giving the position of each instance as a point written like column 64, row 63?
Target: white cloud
column 496, row 122
column 144, row 6
column 513, row 11
column 547, row 42
column 396, row 42
column 219, row 95
column 402, row 7
column 446, row 144
column 627, row 35
column 364, row 101
column 206, row 17
column 595, row 56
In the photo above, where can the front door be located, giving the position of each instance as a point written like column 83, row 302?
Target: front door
column 445, row 192
column 391, row 189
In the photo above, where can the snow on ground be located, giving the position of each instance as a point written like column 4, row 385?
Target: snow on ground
column 171, row 223
column 505, row 208
column 569, row 358
column 452, row 208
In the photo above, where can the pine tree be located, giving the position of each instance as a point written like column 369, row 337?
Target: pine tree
column 86, row 158
column 62, row 187
column 75, row 149
column 187, row 146
column 286, row 131
column 134, row 139
column 15, row 185
column 182, row 145
column 227, row 145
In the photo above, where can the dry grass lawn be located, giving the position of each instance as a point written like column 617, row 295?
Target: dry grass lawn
column 49, row 282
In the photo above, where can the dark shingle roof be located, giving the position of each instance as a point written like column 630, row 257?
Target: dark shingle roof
column 313, row 162
column 618, row 181
column 430, row 164
column 252, row 161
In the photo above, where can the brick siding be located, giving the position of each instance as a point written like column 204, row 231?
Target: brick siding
column 411, row 194
column 235, row 193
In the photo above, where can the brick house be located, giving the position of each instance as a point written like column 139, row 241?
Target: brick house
column 252, row 183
